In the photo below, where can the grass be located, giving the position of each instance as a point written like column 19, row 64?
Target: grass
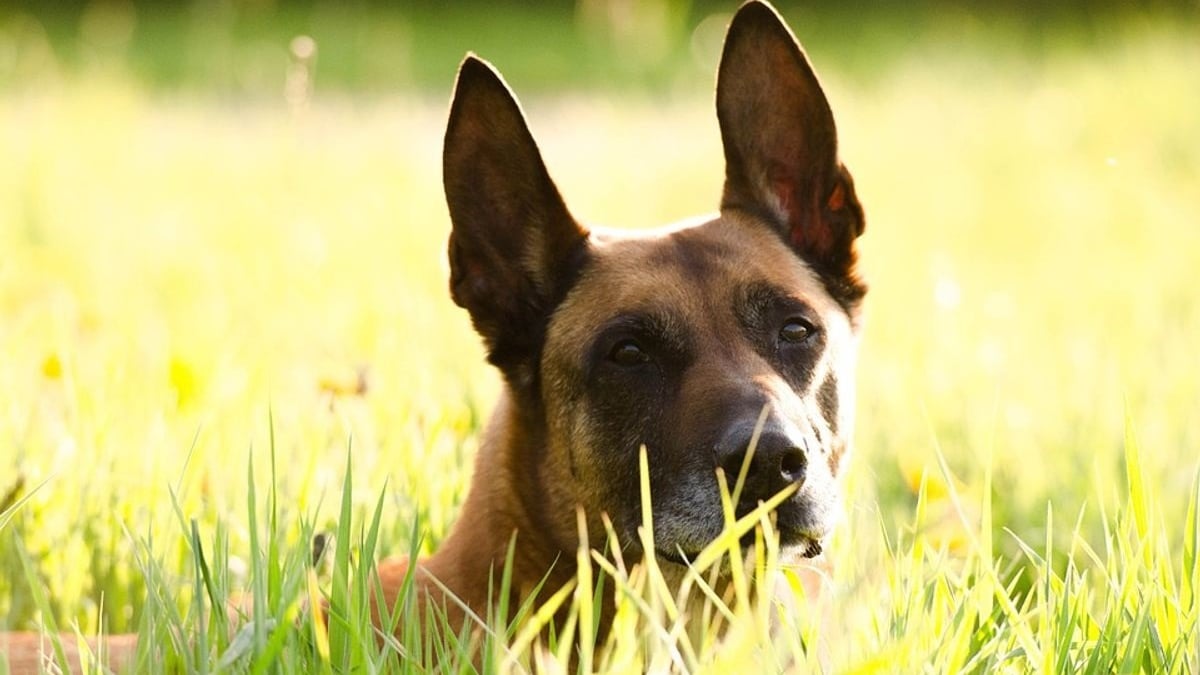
column 225, row 328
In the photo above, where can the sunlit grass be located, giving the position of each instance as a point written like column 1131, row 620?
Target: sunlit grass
column 204, row 307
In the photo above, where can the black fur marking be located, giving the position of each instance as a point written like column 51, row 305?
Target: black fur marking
column 763, row 309
column 827, row 399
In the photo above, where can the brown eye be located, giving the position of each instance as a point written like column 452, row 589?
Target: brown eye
column 795, row 330
column 628, row 353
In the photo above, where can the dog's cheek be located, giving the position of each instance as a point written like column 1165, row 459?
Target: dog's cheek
column 619, row 417
column 569, row 461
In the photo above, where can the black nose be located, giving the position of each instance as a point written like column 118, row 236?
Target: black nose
column 777, row 461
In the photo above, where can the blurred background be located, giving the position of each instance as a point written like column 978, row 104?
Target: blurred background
column 223, row 219
column 239, row 48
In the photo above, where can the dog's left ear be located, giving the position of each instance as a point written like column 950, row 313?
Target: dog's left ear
column 781, row 160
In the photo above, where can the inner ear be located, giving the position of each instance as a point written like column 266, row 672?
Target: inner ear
column 780, row 141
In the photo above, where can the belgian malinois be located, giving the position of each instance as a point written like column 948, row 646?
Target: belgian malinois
column 675, row 340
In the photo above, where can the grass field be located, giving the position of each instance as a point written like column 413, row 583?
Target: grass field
column 195, row 287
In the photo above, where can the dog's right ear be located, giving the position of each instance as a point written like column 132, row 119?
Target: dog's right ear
column 514, row 247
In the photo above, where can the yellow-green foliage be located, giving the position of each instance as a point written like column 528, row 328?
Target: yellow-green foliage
column 181, row 278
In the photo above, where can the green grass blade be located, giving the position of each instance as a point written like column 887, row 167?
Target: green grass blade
column 339, row 597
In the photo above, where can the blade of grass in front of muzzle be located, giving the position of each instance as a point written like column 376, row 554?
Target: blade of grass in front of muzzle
column 661, row 599
column 766, row 560
column 584, row 596
column 624, row 586
column 660, row 593
column 631, row 586
column 734, row 531
column 733, row 545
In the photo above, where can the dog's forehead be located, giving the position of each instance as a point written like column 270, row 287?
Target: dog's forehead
column 693, row 269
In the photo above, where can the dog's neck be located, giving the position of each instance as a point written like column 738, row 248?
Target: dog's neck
column 498, row 515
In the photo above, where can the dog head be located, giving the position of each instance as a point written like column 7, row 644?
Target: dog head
column 687, row 340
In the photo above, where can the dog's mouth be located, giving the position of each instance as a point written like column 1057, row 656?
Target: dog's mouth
column 679, row 557
column 807, row 546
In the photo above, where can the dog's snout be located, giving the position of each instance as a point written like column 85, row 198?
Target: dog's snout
column 774, row 462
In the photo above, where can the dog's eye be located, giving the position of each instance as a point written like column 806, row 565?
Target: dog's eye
column 795, row 331
column 628, row 353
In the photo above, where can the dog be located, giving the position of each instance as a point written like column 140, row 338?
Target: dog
column 675, row 340
column 687, row 341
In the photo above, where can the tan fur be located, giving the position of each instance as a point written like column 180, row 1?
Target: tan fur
column 479, row 542
column 29, row 652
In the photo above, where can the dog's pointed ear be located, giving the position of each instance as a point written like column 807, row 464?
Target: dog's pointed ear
column 781, row 160
column 514, row 245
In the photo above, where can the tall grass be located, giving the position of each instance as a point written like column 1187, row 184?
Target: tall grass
column 206, row 306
